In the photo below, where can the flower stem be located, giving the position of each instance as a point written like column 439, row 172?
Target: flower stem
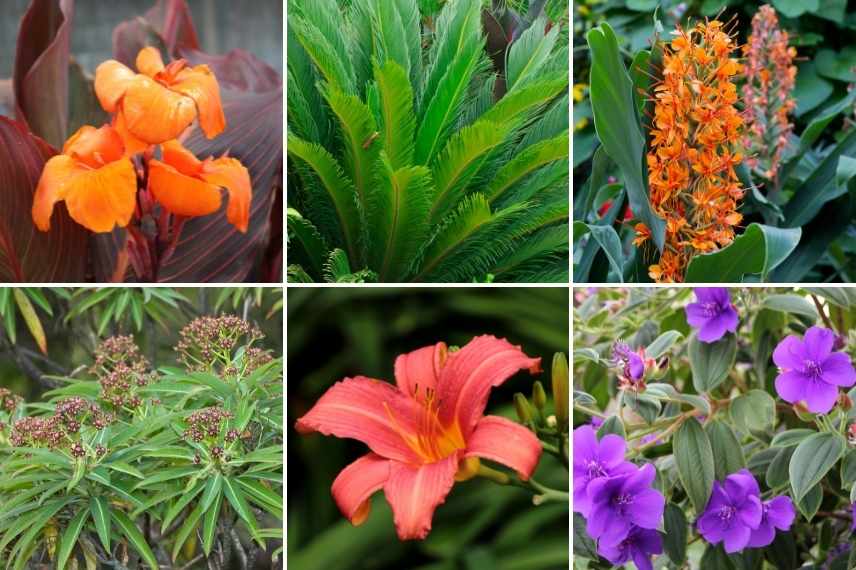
column 543, row 494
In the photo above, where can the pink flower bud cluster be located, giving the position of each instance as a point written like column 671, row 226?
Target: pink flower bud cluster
column 206, row 423
column 767, row 94
column 9, row 401
column 60, row 430
column 121, row 369
column 208, row 340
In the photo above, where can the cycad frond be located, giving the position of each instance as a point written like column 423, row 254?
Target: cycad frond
column 322, row 54
column 305, row 115
column 338, row 270
column 395, row 102
column 398, row 218
column 460, row 160
column 547, row 243
column 314, row 246
column 527, row 100
column 360, row 36
column 296, row 274
column 526, row 162
column 529, row 53
column 551, row 123
column 337, row 186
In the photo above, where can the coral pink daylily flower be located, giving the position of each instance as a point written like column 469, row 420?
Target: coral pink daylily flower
column 426, row 432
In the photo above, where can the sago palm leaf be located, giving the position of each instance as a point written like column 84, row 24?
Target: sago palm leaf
column 529, row 53
column 314, row 246
column 528, row 161
column 397, row 118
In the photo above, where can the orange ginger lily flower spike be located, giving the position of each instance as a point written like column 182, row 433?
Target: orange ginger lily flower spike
column 187, row 186
column 159, row 103
column 94, row 178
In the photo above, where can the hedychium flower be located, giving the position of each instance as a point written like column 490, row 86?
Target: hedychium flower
column 427, row 431
column 695, row 130
column 811, row 371
column 767, row 94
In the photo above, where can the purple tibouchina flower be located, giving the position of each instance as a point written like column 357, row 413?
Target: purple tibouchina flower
column 733, row 512
column 853, row 514
column 712, row 314
column 639, row 545
column 595, row 459
column 810, row 371
column 618, row 503
column 633, row 365
column 777, row 513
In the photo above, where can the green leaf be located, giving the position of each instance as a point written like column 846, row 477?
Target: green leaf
column 777, row 472
column 694, row 459
column 789, row 303
column 844, row 297
column 753, row 411
column 187, row 527
column 613, row 425
column 528, row 54
column 101, row 516
column 711, row 361
column 810, row 503
column 663, row 343
column 309, row 237
column 31, row 319
column 812, row 460
column 212, row 490
column 617, row 124
column 69, row 538
column 794, row 8
column 135, row 537
column 727, row 453
column 791, row 437
column 209, row 524
column 525, row 163
column 675, row 537
column 607, row 238
column 398, row 119
column 757, row 251
column 242, row 508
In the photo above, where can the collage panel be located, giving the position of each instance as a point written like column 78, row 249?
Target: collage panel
column 714, row 427
column 141, row 428
column 428, row 428
column 428, row 141
column 141, row 141
column 713, row 142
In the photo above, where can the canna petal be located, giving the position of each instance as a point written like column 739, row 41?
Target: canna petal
column 57, row 174
column 112, row 79
column 174, row 154
column 235, row 178
column 368, row 410
column 505, row 442
column 355, row 485
column 199, row 84
column 470, row 373
column 420, row 368
column 103, row 198
column 149, row 61
column 155, row 114
column 95, row 147
column 182, row 195
column 415, row 491
column 133, row 144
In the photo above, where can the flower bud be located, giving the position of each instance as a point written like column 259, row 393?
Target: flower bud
column 539, row 397
column 845, row 401
column 561, row 391
column 802, row 412
column 521, row 405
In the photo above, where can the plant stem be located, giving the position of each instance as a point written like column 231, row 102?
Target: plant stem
column 543, row 494
column 589, row 411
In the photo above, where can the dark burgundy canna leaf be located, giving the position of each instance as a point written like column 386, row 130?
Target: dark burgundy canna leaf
column 27, row 254
column 168, row 22
column 40, row 77
column 238, row 70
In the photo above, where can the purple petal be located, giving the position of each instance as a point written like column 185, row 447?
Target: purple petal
column 740, row 486
column 718, row 498
column 641, row 479
column 780, row 512
column 615, row 532
column 637, row 366
column 736, row 538
column 617, row 554
column 791, row 386
column 762, row 536
column 649, row 541
column 790, row 353
column 599, row 518
column 751, row 512
column 582, row 503
column 713, row 330
column 712, row 294
column 731, row 318
column 611, row 450
column 838, row 370
column 818, row 343
column 711, row 527
column 820, row 397
column 642, row 560
column 696, row 315
column 647, row 509
column 585, row 443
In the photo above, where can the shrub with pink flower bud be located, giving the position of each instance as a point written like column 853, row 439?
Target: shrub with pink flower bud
column 208, row 344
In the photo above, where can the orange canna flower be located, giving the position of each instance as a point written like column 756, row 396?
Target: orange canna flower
column 695, row 127
column 187, row 186
column 94, row 178
column 159, row 103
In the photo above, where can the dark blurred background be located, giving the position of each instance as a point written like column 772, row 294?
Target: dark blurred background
column 82, row 317
column 222, row 25
column 333, row 333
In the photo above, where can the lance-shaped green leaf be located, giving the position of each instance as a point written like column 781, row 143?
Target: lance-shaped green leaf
column 69, row 538
column 694, row 459
column 812, row 460
column 100, row 509
column 242, row 508
column 135, row 538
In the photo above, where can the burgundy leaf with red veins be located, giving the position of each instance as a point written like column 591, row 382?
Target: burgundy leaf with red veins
column 168, row 21
column 27, row 254
column 40, row 77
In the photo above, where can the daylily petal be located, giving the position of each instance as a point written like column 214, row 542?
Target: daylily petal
column 53, row 184
column 506, row 442
column 133, row 144
column 103, row 198
column 414, row 492
column 368, row 410
column 355, row 485
column 235, row 178
column 199, row 84
column 112, row 79
column 154, row 113
column 180, row 194
column 470, row 373
column 420, row 368
column 149, row 61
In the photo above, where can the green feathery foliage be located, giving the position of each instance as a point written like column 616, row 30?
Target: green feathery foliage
column 409, row 161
